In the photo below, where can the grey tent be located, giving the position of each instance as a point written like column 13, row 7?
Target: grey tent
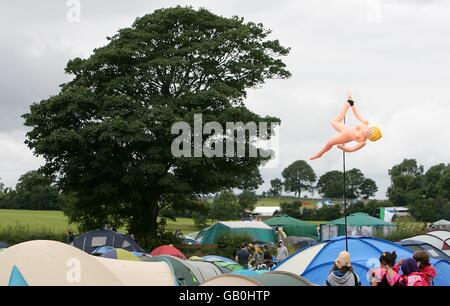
column 4, row 245
column 274, row 278
column 203, row 270
column 182, row 273
column 282, row 278
column 416, row 245
column 90, row 241
column 299, row 243
column 188, row 272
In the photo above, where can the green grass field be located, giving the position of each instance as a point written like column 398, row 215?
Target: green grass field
column 272, row 202
column 57, row 222
column 34, row 219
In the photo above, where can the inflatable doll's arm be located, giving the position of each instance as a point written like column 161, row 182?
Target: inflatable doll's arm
column 358, row 115
column 357, row 147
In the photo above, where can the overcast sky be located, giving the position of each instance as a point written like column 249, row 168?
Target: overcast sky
column 393, row 54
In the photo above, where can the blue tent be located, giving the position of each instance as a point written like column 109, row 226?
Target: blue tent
column 315, row 262
column 212, row 258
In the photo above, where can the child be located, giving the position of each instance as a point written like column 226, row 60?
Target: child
column 423, row 261
column 386, row 276
column 411, row 276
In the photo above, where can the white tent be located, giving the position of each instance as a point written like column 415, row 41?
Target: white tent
column 439, row 239
column 443, row 224
column 51, row 263
column 265, row 211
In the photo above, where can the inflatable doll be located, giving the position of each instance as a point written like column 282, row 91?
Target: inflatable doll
column 348, row 133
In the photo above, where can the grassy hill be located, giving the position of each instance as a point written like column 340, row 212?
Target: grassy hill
column 57, row 222
column 272, row 202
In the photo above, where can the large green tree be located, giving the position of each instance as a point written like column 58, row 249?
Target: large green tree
column 251, row 181
column 407, row 182
column 248, row 200
column 298, row 177
column 331, row 185
column 225, row 207
column 368, row 188
column 276, row 187
column 106, row 136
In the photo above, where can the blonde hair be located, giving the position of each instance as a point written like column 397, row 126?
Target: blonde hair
column 375, row 134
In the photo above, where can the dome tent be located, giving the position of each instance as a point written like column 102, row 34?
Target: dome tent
column 187, row 272
column 415, row 245
column 315, row 262
column 183, row 274
column 90, row 241
column 213, row 258
column 167, row 250
column 120, row 254
column 225, row 264
column 294, row 227
column 257, row 230
column 51, row 263
column 3, row 245
column 358, row 224
column 267, row 279
column 443, row 224
column 439, row 239
column 299, row 243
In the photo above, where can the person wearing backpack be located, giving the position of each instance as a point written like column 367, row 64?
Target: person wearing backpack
column 386, row 275
column 342, row 272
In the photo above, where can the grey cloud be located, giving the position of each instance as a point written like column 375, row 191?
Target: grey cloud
column 398, row 68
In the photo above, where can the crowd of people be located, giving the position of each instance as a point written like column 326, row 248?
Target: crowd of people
column 411, row 272
column 258, row 257
column 415, row 271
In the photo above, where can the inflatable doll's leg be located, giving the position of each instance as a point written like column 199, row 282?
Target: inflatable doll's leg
column 343, row 112
column 337, row 123
column 340, row 139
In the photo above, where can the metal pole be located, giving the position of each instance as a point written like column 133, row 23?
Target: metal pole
column 345, row 200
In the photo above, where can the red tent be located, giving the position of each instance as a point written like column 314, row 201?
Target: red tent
column 168, row 250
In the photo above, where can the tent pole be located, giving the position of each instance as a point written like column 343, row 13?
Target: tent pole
column 345, row 199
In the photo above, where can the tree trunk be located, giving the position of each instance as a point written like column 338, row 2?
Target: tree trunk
column 144, row 222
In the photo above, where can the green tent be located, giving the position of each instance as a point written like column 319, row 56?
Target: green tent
column 183, row 274
column 358, row 224
column 231, row 267
column 360, row 219
column 257, row 230
column 294, row 227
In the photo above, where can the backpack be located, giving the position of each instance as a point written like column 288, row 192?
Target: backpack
column 357, row 283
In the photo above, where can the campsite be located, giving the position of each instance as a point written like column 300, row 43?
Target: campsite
column 207, row 145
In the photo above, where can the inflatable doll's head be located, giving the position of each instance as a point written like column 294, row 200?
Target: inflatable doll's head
column 374, row 133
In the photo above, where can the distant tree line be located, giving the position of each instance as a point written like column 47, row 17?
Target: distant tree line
column 33, row 191
column 425, row 193
column 300, row 177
